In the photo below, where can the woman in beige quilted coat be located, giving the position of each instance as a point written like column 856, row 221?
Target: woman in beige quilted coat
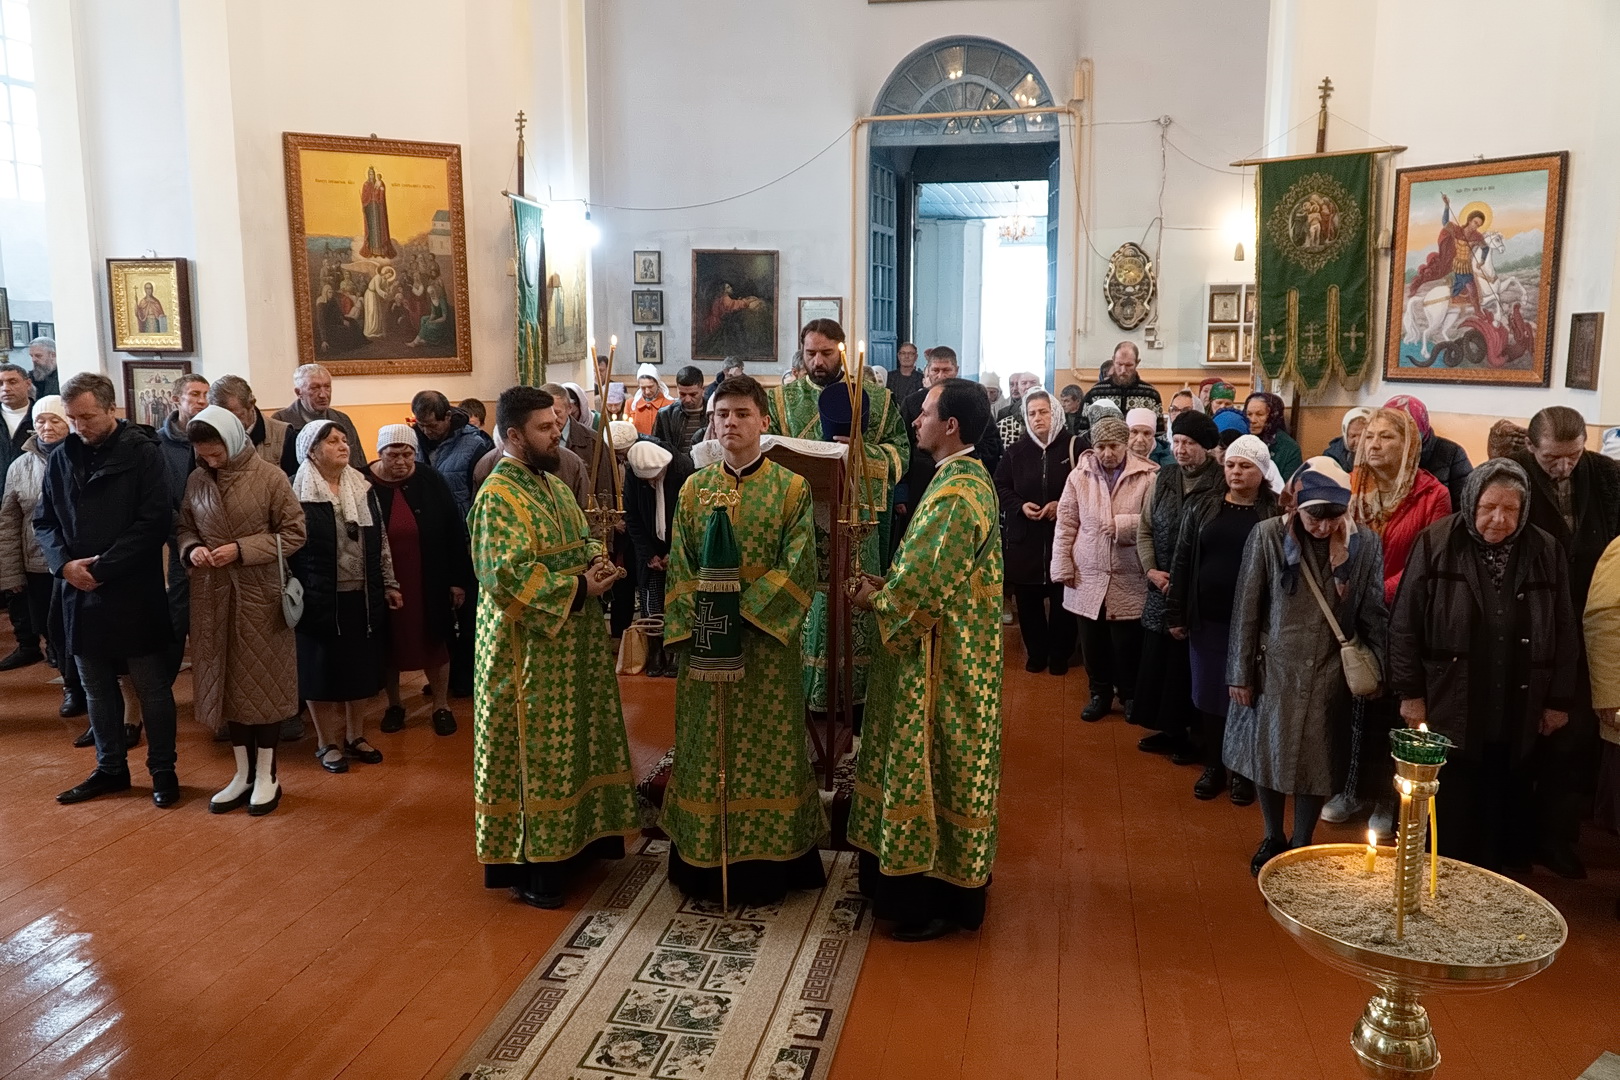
column 244, row 658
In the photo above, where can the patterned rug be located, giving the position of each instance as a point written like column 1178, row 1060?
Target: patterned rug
column 646, row 983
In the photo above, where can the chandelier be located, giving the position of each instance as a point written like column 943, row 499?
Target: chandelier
column 1018, row 228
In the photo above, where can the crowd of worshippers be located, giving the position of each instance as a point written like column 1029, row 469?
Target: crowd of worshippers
column 1205, row 573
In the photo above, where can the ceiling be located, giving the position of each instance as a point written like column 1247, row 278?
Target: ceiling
column 968, row 201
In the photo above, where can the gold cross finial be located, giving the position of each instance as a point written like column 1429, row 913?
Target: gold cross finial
column 522, row 122
column 1326, row 88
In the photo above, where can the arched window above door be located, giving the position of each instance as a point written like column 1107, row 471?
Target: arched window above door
column 964, row 74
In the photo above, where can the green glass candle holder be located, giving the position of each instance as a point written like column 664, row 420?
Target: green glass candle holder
column 1419, row 747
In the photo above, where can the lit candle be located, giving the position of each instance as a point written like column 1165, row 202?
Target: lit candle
column 860, row 351
column 1372, row 851
column 1434, row 850
column 593, row 352
column 613, row 347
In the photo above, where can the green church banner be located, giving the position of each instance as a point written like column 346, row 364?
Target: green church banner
column 528, row 242
column 1314, row 269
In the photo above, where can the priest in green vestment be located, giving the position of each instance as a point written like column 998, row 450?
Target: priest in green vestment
column 795, row 412
column 551, row 767
column 924, row 811
column 773, row 818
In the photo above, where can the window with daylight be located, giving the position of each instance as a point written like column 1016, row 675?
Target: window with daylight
column 20, row 174
column 965, row 74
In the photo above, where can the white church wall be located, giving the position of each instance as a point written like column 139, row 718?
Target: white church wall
column 692, row 104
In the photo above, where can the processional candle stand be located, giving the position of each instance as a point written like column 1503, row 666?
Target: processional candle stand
column 1393, row 1039
column 603, row 516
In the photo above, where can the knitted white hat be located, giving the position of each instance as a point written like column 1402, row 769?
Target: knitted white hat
column 647, row 458
column 52, row 404
column 621, row 434
column 312, row 433
column 396, row 435
column 1142, row 418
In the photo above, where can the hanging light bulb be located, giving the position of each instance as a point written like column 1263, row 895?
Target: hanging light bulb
column 1237, row 252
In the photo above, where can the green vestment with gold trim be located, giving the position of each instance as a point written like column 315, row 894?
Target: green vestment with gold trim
column 795, row 411
column 930, row 760
column 551, row 767
column 775, row 810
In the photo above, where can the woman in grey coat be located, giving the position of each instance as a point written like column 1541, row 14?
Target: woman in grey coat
column 1289, row 722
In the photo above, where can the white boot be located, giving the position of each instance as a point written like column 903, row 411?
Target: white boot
column 266, row 788
column 235, row 793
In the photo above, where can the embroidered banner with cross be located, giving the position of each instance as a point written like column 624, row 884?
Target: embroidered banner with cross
column 1314, row 269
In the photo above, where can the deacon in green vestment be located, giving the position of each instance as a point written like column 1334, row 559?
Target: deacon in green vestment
column 551, row 767
column 795, row 412
column 924, row 810
column 773, row 814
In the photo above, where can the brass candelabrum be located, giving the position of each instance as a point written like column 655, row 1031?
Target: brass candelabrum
column 605, row 515
column 855, row 513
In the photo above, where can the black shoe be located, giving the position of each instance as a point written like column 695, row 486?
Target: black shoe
column 548, row 901
column 1129, row 705
column 444, row 722
column 1269, row 849
column 340, row 764
column 1242, row 790
column 73, row 705
column 1563, row 862
column 86, row 738
column 1097, row 708
column 361, row 750
column 1035, row 664
column 1186, row 753
column 1059, row 668
column 923, row 931
column 1160, row 742
column 393, row 718
column 1211, row 783
column 165, row 789
column 132, row 736
column 98, row 783
column 20, row 658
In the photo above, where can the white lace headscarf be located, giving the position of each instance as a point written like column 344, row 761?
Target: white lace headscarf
column 311, row 487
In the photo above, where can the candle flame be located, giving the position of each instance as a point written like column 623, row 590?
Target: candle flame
column 593, row 343
column 613, row 342
column 1372, row 838
column 1423, row 727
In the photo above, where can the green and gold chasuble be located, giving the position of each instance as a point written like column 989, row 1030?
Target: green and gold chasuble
column 551, row 767
column 775, row 810
column 930, row 760
column 795, row 411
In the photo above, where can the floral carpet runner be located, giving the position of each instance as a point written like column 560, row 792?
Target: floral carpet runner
column 646, row 983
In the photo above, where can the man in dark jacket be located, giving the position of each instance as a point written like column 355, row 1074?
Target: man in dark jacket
column 987, row 446
column 190, row 398
column 104, row 515
column 449, row 443
column 1124, row 386
column 17, row 404
column 312, row 387
column 1574, row 496
column 680, row 424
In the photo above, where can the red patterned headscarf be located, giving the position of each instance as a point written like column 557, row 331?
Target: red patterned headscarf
column 1414, row 408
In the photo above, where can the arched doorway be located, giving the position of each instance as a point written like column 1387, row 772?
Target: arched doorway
column 936, row 182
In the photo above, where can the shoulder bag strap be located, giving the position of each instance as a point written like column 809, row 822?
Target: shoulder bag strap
column 1316, row 591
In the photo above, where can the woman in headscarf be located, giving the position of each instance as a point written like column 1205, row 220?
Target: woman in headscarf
column 1268, row 421
column 1288, row 727
column 1444, row 459
column 1483, row 646
column 347, row 571
column 1343, row 448
column 1145, row 441
column 1203, row 591
column 427, row 543
column 1094, row 556
column 1030, row 481
column 1090, row 414
column 238, row 522
column 653, row 477
column 1392, row 495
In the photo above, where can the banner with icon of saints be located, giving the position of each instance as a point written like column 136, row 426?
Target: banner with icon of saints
column 1314, row 270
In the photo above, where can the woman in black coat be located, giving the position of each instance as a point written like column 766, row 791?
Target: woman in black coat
column 427, row 538
column 1030, row 479
column 1482, row 647
column 653, row 475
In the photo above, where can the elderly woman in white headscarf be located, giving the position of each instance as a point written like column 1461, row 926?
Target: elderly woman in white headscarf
column 346, row 568
column 1203, row 594
column 1030, row 481
column 653, row 477
column 1343, row 448
column 239, row 522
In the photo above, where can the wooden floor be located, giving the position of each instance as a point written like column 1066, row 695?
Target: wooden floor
column 348, row 935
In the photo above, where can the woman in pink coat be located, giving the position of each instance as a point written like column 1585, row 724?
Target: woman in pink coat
column 1094, row 556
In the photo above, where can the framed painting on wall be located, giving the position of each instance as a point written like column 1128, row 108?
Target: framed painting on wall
column 19, row 335
column 150, row 304
column 648, row 268
column 820, row 307
column 1475, row 280
column 567, row 268
column 649, row 346
column 379, row 254
column 734, row 297
column 647, row 306
column 149, row 389
column 45, row 330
